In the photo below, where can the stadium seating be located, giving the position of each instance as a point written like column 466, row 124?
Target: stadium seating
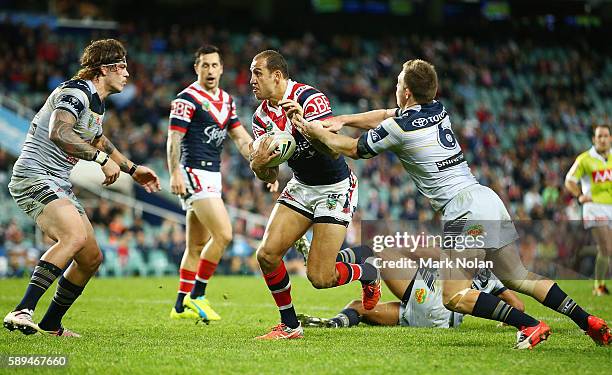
column 496, row 91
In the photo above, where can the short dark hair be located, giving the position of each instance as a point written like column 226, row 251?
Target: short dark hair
column 422, row 80
column 205, row 50
column 98, row 53
column 595, row 127
column 274, row 61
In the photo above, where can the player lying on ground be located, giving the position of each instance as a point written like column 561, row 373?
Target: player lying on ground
column 419, row 294
column 201, row 117
column 419, row 132
column 68, row 128
column 322, row 194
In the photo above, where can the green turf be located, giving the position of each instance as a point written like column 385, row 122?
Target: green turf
column 126, row 329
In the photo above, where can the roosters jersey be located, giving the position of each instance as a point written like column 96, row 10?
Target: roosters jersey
column 422, row 138
column 205, row 119
column 309, row 166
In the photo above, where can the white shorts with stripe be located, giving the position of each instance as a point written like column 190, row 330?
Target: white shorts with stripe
column 425, row 308
column 333, row 203
column 597, row 215
column 200, row 184
column 478, row 212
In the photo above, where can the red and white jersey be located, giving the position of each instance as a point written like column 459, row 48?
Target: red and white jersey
column 205, row 118
column 309, row 166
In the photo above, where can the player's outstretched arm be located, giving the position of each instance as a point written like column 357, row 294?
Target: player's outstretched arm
column 260, row 157
column 293, row 109
column 141, row 174
column 341, row 144
column 61, row 132
column 241, row 139
column 366, row 120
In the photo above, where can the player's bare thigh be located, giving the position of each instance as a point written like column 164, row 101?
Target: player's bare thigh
column 61, row 221
column 326, row 241
column 285, row 226
column 213, row 216
column 384, row 314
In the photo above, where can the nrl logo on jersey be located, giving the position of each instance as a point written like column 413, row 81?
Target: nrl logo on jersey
column 206, row 105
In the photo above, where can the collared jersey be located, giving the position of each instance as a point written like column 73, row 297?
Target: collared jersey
column 39, row 154
column 422, row 138
column 594, row 174
column 205, row 118
column 309, row 166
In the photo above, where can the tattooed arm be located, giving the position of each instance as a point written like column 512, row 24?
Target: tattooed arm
column 61, row 132
column 104, row 144
column 173, row 149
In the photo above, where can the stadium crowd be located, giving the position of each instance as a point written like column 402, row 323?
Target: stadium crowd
column 522, row 110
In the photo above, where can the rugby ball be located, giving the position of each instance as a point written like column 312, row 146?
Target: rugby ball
column 284, row 144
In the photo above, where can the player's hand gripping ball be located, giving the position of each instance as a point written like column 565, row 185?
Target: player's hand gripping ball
column 284, row 144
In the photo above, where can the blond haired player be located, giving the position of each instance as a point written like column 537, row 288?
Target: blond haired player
column 420, row 134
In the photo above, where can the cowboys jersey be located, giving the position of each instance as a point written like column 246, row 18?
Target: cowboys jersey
column 422, row 138
column 39, row 154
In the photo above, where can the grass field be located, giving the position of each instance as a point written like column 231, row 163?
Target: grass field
column 126, row 329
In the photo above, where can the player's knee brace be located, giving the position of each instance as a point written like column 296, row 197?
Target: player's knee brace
column 455, row 303
column 525, row 286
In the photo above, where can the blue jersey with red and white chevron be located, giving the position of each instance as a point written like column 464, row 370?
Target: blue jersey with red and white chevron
column 205, row 118
column 309, row 166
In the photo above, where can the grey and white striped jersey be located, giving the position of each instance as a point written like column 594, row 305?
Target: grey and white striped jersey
column 422, row 138
column 39, row 154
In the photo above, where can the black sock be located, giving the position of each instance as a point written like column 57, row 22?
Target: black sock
column 199, row 289
column 64, row 297
column 43, row 276
column 347, row 318
column 178, row 306
column 289, row 317
column 369, row 273
column 355, row 255
column 557, row 300
column 491, row 307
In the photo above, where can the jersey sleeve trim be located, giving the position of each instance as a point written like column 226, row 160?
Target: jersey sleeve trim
column 364, row 151
column 72, row 100
column 234, row 124
column 315, row 104
column 178, row 128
